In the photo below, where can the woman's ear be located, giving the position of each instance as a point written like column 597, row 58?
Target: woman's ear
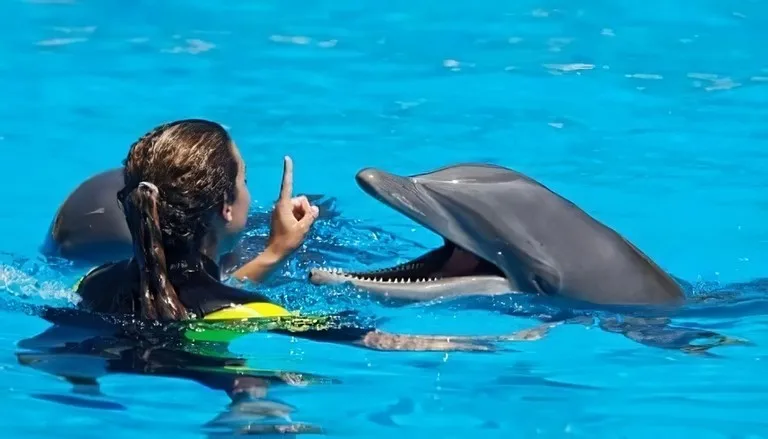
column 227, row 212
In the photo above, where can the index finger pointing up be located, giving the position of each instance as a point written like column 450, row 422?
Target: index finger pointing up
column 286, row 189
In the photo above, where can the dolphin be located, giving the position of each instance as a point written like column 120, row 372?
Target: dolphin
column 90, row 226
column 503, row 233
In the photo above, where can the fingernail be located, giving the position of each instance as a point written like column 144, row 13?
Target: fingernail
column 316, row 210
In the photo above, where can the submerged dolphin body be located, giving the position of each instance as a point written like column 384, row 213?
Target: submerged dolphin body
column 504, row 232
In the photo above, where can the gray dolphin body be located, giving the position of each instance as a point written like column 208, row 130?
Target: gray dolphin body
column 504, row 232
column 90, row 226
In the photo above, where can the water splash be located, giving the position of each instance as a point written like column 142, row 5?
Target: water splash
column 35, row 281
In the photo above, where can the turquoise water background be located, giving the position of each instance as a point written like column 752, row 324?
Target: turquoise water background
column 649, row 115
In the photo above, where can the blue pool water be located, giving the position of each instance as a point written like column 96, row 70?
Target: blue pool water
column 649, row 115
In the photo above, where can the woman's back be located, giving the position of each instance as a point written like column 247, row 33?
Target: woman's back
column 113, row 287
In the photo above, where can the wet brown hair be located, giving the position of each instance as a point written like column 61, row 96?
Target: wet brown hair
column 177, row 178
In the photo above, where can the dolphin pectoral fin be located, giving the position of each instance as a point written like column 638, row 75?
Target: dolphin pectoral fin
column 543, row 273
column 546, row 278
column 541, row 285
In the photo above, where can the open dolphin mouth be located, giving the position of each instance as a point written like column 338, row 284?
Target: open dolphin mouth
column 446, row 262
column 451, row 269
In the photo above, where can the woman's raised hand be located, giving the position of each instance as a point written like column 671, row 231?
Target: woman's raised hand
column 292, row 217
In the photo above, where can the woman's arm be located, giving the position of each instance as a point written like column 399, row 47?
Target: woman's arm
column 346, row 328
column 291, row 220
column 260, row 267
column 330, row 329
column 383, row 341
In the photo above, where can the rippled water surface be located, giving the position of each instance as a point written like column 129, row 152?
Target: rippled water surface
column 649, row 115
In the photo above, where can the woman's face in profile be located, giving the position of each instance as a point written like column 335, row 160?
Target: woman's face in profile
column 236, row 214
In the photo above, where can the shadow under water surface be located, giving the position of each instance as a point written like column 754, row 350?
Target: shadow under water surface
column 82, row 349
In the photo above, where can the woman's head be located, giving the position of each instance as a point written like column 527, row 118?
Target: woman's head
column 200, row 177
column 184, row 190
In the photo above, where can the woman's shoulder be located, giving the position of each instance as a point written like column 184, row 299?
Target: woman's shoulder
column 103, row 278
column 107, row 287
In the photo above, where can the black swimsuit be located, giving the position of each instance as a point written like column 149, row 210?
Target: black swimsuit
column 113, row 289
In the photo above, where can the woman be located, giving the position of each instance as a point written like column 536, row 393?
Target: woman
column 186, row 200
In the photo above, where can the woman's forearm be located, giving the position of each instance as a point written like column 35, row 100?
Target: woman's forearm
column 258, row 268
column 384, row 341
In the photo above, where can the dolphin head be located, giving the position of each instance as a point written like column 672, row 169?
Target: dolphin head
column 457, row 203
column 504, row 232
